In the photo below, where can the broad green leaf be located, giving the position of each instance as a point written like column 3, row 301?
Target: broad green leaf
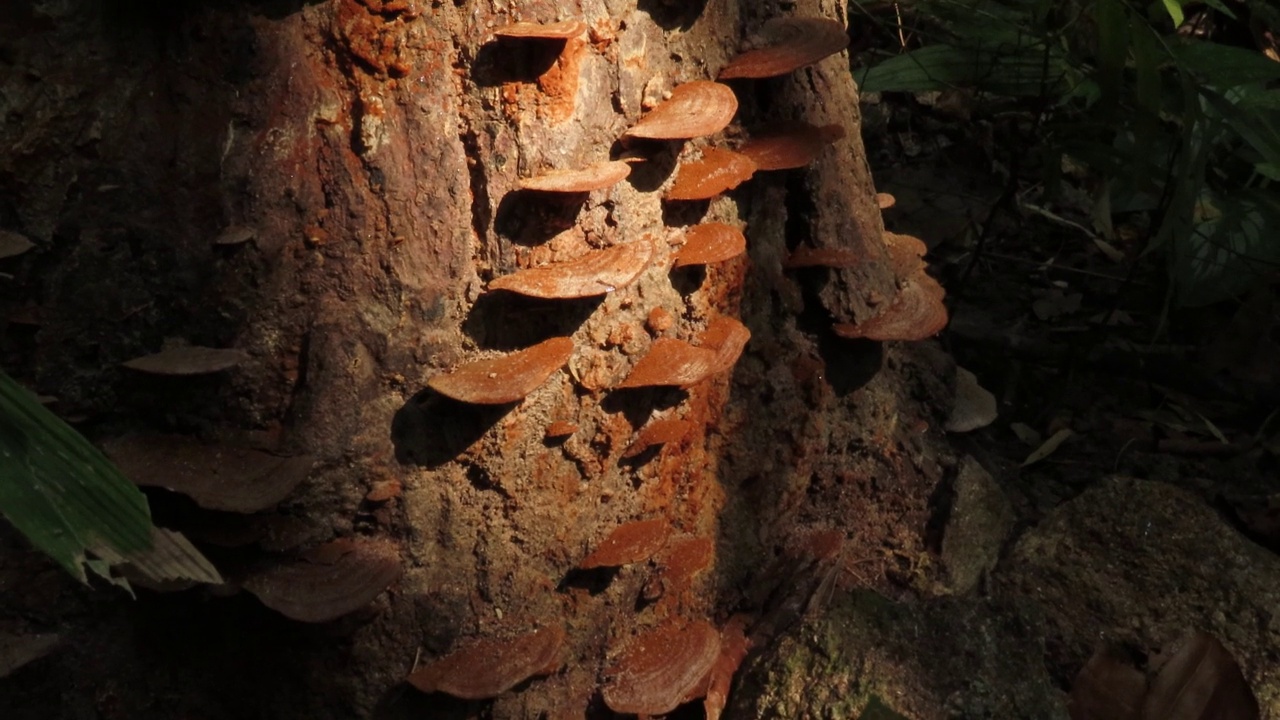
column 937, row 67
column 1175, row 11
column 69, row 500
column 1229, row 253
column 1224, row 66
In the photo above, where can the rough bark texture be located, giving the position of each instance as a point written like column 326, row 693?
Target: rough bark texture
column 375, row 149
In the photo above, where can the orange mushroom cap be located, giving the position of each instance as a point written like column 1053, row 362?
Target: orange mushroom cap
column 694, row 109
column 786, row 44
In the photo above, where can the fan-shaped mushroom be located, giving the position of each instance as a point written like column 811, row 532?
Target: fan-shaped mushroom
column 506, row 379
column 694, row 109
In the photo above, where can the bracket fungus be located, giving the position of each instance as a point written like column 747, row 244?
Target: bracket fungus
column 884, row 201
column 709, row 243
column 506, row 379
column 563, row 30
column 789, row 145
column 660, row 669
column 216, row 477
column 188, row 360
column 715, row 172
column 682, row 560
column 696, row 108
column 489, row 667
column 235, row 235
column 628, row 543
column 783, row 45
column 676, row 362
column 658, row 432
column 916, row 313
column 598, row 272
column 333, row 580
column 593, row 177
column 831, row 257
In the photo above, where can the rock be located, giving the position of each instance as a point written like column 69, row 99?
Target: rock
column 981, row 518
column 1139, row 563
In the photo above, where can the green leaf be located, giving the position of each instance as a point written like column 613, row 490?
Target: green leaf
column 69, row 500
column 1230, row 251
column 1023, row 72
column 1224, row 66
column 1175, row 11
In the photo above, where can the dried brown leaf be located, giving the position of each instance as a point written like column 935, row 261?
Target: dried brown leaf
column 1107, row 688
column 1199, row 680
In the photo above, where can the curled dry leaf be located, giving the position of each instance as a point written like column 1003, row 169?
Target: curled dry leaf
column 562, row 30
column 716, row 171
column 594, row 177
column 216, row 477
column 337, row 578
column 489, row 667
column 596, row 273
column 916, row 313
column 658, row 432
column 787, row 44
column 1198, row 679
column 13, row 244
column 694, row 109
column 709, row 243
column 1107, row 688
column 832, row 257
column 506, row 379
column 974, row 406
column 789, row 145
column 628, row 543
column 662, row 668
column 235, row 235
column 188, row 360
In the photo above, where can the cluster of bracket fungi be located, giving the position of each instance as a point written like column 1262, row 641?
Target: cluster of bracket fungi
column 679, row 660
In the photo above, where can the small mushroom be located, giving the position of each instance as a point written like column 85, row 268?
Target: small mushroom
column 598, row 272
column 489, row 667
column 506, row 379
column 789, row 145
column 716, row 171
column 333, row 580
column 658, row 432
column 628, row 543
column 216, row 477
column 188, row 360
column 734, row 645
column 682, row 560
column 563, row 30
column 786, row 44
column 694, row 109
column 594, row 177
column 917, row 312
column 832, row 257
column 662, row 668
column 906, row 254
column 710, row 243
column 884, row 201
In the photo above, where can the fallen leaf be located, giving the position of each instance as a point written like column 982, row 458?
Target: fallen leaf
column 1048, row 447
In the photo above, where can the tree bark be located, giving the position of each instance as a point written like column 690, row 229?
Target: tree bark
column 374, row 148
